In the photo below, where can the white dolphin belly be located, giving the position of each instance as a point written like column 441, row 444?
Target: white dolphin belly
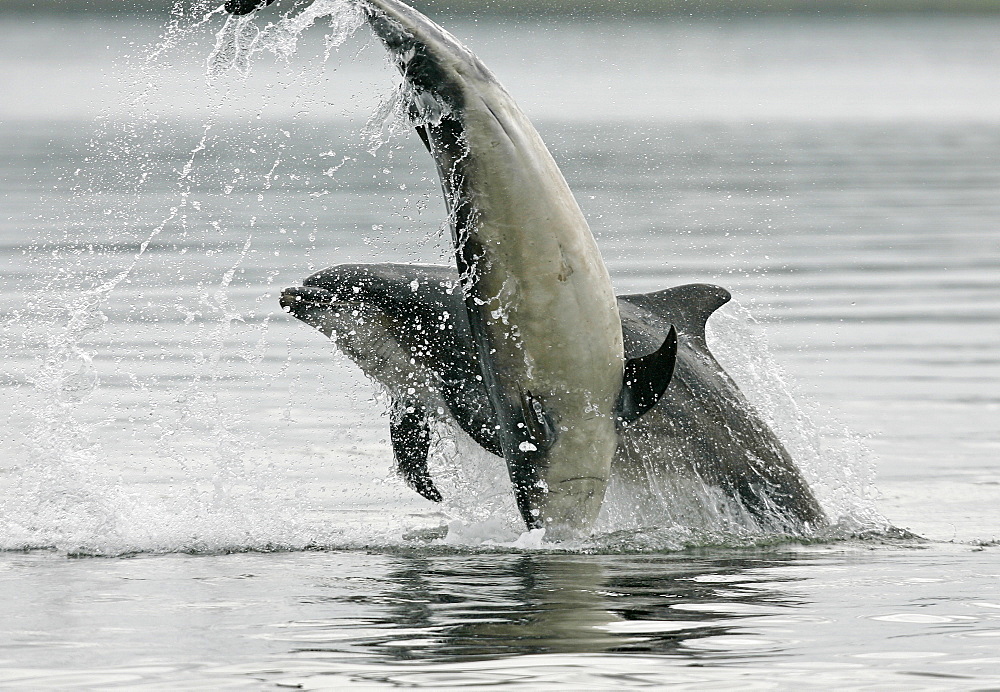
column 540, row 303
column 551, row 312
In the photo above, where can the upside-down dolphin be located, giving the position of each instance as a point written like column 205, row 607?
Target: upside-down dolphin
column 541, row 311
column 405, row 326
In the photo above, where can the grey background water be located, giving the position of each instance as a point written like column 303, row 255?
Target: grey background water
column 839, row 176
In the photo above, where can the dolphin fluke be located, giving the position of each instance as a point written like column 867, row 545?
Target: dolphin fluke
column 241, row 7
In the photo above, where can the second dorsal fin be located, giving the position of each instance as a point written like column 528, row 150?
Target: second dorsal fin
column 686, row 307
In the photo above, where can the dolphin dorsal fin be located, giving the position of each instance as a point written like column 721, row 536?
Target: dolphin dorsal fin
column 687, row 307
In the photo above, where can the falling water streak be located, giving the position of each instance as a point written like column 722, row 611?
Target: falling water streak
column 841, row 471
column 66, row 501
column 240, row 39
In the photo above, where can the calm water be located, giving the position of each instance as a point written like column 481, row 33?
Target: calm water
column 840, row 177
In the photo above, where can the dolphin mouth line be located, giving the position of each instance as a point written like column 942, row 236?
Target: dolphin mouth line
column 584, row 478
column 311, row 296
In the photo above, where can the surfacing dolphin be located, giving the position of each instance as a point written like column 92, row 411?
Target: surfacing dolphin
column 405, row 326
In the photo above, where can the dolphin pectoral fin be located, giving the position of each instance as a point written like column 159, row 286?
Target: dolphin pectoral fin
column 239, row 7
column 541, row 430
column 645, row 380
column 531, row 432
column 411, row 441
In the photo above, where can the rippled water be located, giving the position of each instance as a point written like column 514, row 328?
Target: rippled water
column 840, row 177
column 812, row 618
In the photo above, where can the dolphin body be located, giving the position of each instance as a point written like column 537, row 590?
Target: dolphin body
column 540, row 310
column 405, row 326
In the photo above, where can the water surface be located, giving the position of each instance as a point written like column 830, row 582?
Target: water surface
column 840, row 177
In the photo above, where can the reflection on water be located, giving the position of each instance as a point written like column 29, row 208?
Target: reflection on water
column 470, row 608
column 818, row 615
column 432, row 609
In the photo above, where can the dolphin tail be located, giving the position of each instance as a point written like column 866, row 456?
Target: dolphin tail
column 240, row 7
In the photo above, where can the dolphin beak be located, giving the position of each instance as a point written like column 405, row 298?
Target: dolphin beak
column 299, row 297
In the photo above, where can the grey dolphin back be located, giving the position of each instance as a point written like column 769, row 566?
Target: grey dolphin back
column 704, row 422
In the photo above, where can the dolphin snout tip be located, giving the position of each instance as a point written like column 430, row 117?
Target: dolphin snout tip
column 288, row 299
column 300, row 296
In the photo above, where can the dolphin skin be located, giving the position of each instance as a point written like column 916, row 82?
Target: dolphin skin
column 548, row 360
column 405, row 326
column 540, row 306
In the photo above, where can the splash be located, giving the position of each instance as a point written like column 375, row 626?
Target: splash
column 132, row 330
column 240, row 39
column 165, row 411
column 835, row 461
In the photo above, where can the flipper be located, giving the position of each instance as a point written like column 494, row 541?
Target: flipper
column 541, row 430
column 411, row 441
column 645, row 380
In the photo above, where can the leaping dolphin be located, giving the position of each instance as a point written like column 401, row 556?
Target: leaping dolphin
column 541, row 316
column 405, row 326
column 541, row 310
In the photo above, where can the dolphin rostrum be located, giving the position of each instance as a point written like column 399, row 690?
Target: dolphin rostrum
column 405, row 326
